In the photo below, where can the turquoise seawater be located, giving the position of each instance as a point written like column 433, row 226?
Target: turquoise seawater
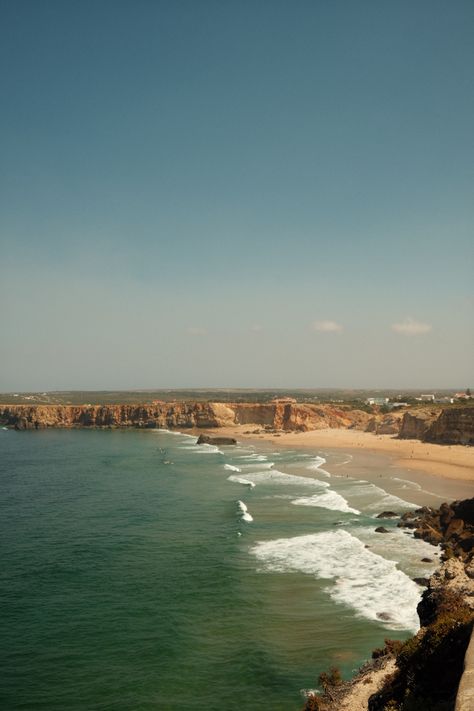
column 132, row 577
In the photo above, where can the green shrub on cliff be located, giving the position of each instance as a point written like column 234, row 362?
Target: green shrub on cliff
column 430, row 664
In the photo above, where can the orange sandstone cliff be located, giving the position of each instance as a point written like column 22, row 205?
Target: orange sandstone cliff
column 278, row 416
column 448, row 426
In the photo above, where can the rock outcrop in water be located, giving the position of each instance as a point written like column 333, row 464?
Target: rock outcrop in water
column 451, row 526
column 205, row 439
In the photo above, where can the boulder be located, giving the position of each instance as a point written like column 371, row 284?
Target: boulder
column 387, row 514
column 381, row 529
column 421, row 581
column 455, row 527
column 206, row 439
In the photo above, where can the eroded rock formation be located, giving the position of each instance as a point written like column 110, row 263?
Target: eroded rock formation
column 449, row 426
column 451, row 526
column 454, row 425
column 278, row 416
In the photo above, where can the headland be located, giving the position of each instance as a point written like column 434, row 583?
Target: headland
column 425, row 439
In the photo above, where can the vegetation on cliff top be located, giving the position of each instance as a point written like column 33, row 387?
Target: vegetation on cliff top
column 429, row 665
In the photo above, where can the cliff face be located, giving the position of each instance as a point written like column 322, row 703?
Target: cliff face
column 449, row 426
column 292, row 416
column 453, row 426
column 164, row 415
column 278, row 416
column 385, row 424
column 415, row 424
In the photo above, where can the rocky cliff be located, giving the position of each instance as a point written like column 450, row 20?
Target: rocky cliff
column 451, row 526
column 186, row 415
column 449, row 426
column 452, row 426
column 423, row 673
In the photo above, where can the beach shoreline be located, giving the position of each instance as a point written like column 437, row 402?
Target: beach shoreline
column 441, row 471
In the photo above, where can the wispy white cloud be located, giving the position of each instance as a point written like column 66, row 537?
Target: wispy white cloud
column 410, row 327
column 197, row 331
column 256, row 328
column 326, row 327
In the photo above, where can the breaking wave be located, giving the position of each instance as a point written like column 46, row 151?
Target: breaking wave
column 365, row 581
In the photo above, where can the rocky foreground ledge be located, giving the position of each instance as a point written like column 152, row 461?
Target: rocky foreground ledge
column 450, row 426
column 434, row 669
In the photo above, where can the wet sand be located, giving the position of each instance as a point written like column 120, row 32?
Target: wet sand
column 433, row 472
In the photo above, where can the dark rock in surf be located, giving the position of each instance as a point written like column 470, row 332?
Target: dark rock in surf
column 421, row 581
column 205, row 439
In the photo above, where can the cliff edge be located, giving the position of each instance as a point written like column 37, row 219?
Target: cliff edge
column 434, row 669
column 185, row 415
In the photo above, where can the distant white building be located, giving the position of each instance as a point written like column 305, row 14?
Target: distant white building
column 426, row 398
column 377, row 400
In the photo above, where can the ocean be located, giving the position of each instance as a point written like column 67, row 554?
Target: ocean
column 143, row 571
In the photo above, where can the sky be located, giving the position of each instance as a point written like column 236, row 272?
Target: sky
column 236, row 193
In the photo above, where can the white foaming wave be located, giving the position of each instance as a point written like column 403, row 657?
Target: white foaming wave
column 391, row 501
column 255, row 457
column 383, row 500
column 365, row 581
column 161, row 430
column 405, row 550
column 328, row 500
column 245, row 516
column 241, row 480
column 407, row 483
column 316, row 465
column 273, row 476
column 231, row 468
column 207, row 449
column 346, row 461
column 416, row 487
column 259, row 465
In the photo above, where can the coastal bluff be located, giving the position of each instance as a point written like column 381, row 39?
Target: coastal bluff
column 450, row 426
column 441, row 426
column 186, row 415
column 434, row 669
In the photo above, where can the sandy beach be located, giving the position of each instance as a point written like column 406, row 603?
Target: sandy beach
column 446, row 470
column 447, row 461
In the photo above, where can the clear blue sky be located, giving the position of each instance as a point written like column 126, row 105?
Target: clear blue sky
column 236, row 193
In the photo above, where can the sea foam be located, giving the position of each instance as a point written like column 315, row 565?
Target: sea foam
column 241, row 480
column 316, row 465
column 258, row 465
column 365, row 581
column 274, row 476
column 254, row 457
column 207, row 449
column 377, row 499
column 244, row 513
column 328, row 500
column 231, row 468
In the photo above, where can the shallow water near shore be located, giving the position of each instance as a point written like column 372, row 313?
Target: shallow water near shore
column 143, row 571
